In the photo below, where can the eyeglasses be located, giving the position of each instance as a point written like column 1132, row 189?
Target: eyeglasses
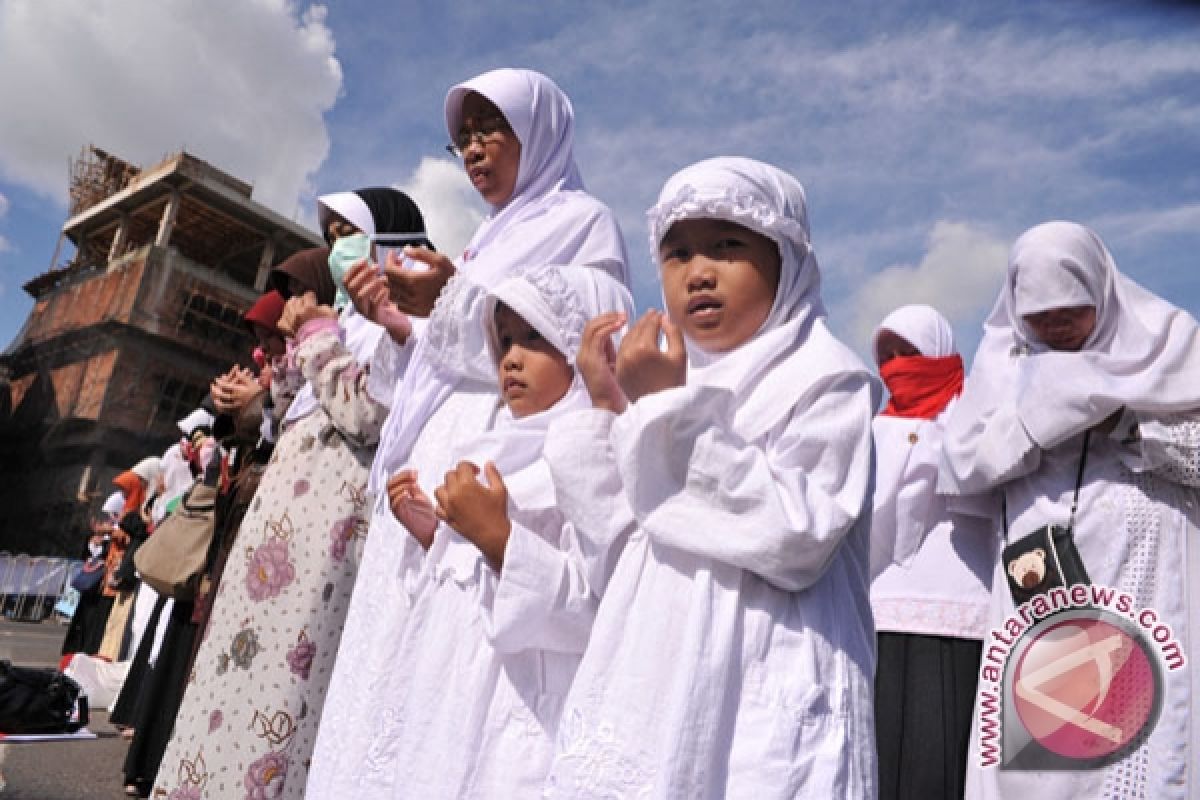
column 485, row 131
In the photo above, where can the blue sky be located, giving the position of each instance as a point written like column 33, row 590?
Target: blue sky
column 928, row 135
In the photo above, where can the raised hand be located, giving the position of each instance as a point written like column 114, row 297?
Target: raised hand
column 479, row 512
column 415, row 291
column 234, row 389
column 299, row 310
column 368, row 290
column 412, row 506
column 597, row 361
column 642, row 366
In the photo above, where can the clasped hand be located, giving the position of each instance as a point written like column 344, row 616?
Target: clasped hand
column 234, row 390
column 416, row 291
column 299, row 310
column 614, row 378
column 368, row 290
column 476, row 510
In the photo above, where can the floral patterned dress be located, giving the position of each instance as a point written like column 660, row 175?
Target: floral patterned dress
column 249, row 718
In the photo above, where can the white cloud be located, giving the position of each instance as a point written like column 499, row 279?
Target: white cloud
column 449, row 203
column 1150, row 223
column 959, row 274
column 242, row 84
column 5, row 244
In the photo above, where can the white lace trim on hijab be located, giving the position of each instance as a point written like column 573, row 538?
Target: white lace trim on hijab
column 557, row 301
column 793, row 351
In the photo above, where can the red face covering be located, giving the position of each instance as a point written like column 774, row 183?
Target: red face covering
column 921, row 387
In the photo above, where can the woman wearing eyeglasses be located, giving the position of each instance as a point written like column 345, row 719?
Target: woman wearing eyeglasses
column 514, row 131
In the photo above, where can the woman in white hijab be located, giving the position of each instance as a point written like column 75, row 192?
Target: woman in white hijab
column 515, row 132
column 732, row 651
column 931, row 569
column 1081, row 412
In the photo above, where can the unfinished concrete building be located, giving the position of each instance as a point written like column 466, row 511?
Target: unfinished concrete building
column 125, row 337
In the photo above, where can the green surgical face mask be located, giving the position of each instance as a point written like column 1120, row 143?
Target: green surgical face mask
column 346, row 252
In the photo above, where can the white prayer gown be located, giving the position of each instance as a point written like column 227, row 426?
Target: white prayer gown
column 931, row 568
column 725, row 522
column 1018, row 430
column 446, row 397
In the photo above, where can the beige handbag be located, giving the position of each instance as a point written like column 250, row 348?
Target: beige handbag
column 173, row 558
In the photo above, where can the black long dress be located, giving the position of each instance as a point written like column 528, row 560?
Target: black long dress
column 86, row 630
column 924, row 698
column 125, row 710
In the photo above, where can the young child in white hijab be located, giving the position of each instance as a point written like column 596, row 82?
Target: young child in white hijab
column 931, row 568
column 721, row 489
column 500, row 611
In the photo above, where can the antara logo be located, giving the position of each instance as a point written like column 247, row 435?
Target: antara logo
column 1073, row 680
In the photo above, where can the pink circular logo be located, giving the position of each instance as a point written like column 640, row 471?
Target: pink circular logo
column 1086, row 687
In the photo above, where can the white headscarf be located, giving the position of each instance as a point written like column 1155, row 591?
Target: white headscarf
column 149, row 469
column 557, row 302
column 907, row 451
column 359, row 334
column 921, row 326
column 114, row 504
column 550, row 219
column 541, row 116
column 199, row 418
column 793, row 351
column 1143, row 355
column 177, row 479
column 772, row 389
column 349, row 206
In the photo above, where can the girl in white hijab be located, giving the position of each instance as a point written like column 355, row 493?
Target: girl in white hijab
column 724, row 514
column 931, row 569
column 1086, row 388
column 498, row 620
column 515, row 132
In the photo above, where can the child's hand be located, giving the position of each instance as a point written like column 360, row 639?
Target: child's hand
column 642, row 367
column 299, row 310
column 416, row 292
column 412, row 506
column 478, row 512
column 597, row 362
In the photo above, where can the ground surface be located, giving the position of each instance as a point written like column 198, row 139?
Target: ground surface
column 70, row 770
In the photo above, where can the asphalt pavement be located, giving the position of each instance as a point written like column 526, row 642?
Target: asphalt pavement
column 66, row 770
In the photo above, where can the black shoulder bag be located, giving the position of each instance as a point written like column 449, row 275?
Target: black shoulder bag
column 1047, row 558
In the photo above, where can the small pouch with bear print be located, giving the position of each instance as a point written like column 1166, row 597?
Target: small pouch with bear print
column 1047, row 558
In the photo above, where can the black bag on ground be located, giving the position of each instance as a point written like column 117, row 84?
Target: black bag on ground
column 39, row 701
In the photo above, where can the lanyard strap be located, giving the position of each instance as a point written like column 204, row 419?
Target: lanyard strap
column 1074, row 500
